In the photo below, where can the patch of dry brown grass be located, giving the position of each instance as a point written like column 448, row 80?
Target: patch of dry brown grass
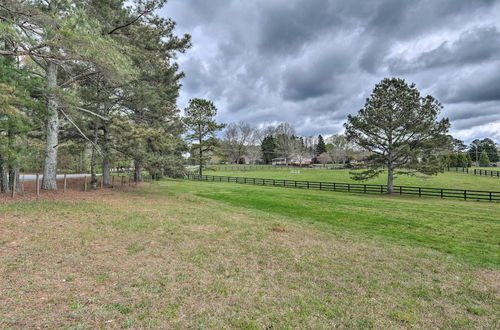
column 122, row 260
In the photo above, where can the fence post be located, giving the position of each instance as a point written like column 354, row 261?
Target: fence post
column 365, row 188
column 490, row 196
column 465, row 194
column 401, row 190
column 419, row 192
column 85, row 184
column 348, row 187
column 442, row 193
column 37, row 186
column 320, row 185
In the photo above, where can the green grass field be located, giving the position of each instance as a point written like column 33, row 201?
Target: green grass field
column 187, row 254
column 442, row 180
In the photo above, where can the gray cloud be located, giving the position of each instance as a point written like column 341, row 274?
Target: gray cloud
column 311, row 63
column 473, row 46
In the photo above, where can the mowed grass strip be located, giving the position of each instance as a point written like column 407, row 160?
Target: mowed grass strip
column 168, row 256
column 467, row 230
column 449, row 180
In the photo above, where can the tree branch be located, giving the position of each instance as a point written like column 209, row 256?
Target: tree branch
column 81, row 133
column 77, row 77
column 92, row 113
column 129, row 23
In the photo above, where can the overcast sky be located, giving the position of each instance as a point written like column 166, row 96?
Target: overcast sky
column 312, row 62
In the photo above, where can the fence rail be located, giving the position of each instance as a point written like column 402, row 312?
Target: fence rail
column 475, row 171
column 357, row 187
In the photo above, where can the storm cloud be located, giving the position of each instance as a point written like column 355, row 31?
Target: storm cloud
column 311, row 63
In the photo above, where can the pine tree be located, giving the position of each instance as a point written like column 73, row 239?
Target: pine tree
column 21, row 107
column 268, row 148
column 463, row 160
column 397, row 126
column 321, row 147
column 469, row 160
column 484, row 160
column 200, row 121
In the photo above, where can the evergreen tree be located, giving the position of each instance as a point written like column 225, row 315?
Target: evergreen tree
column 397, row 126
column 469, row 160
column 463, row 160
column 21, row 108
column 268, row 148
column 321, row 147
column 484, row 160
column 446, row 160
column 200, row 121
column 453, row 160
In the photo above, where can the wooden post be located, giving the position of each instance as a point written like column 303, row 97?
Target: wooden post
column 14, row 186
column 85, row 184
column 37, row 186
column 65, row 184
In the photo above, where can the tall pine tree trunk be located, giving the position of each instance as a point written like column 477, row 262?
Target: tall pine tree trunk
column 4, row 176
column 93, row 162
column 14, row 173
column 390, row 179
column 200, row 170
column 106, row 175
column 52, row 134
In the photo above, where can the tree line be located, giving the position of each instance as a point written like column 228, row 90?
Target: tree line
column 95, row 78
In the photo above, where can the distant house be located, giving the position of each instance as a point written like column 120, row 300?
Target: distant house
column 293, row 161
column 279, row 161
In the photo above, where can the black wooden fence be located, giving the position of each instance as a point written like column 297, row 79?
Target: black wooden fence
column 357, row 187
column 475, row 171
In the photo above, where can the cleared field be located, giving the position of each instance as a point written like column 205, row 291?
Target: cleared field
column 214, row 255
column 442, row 180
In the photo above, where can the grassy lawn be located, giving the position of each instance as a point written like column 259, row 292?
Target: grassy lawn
column 442, row 180
column 213, row 255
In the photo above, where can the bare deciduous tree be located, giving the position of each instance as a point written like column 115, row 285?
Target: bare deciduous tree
column 285, row 140
column 236, row 138
column 338, row 148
